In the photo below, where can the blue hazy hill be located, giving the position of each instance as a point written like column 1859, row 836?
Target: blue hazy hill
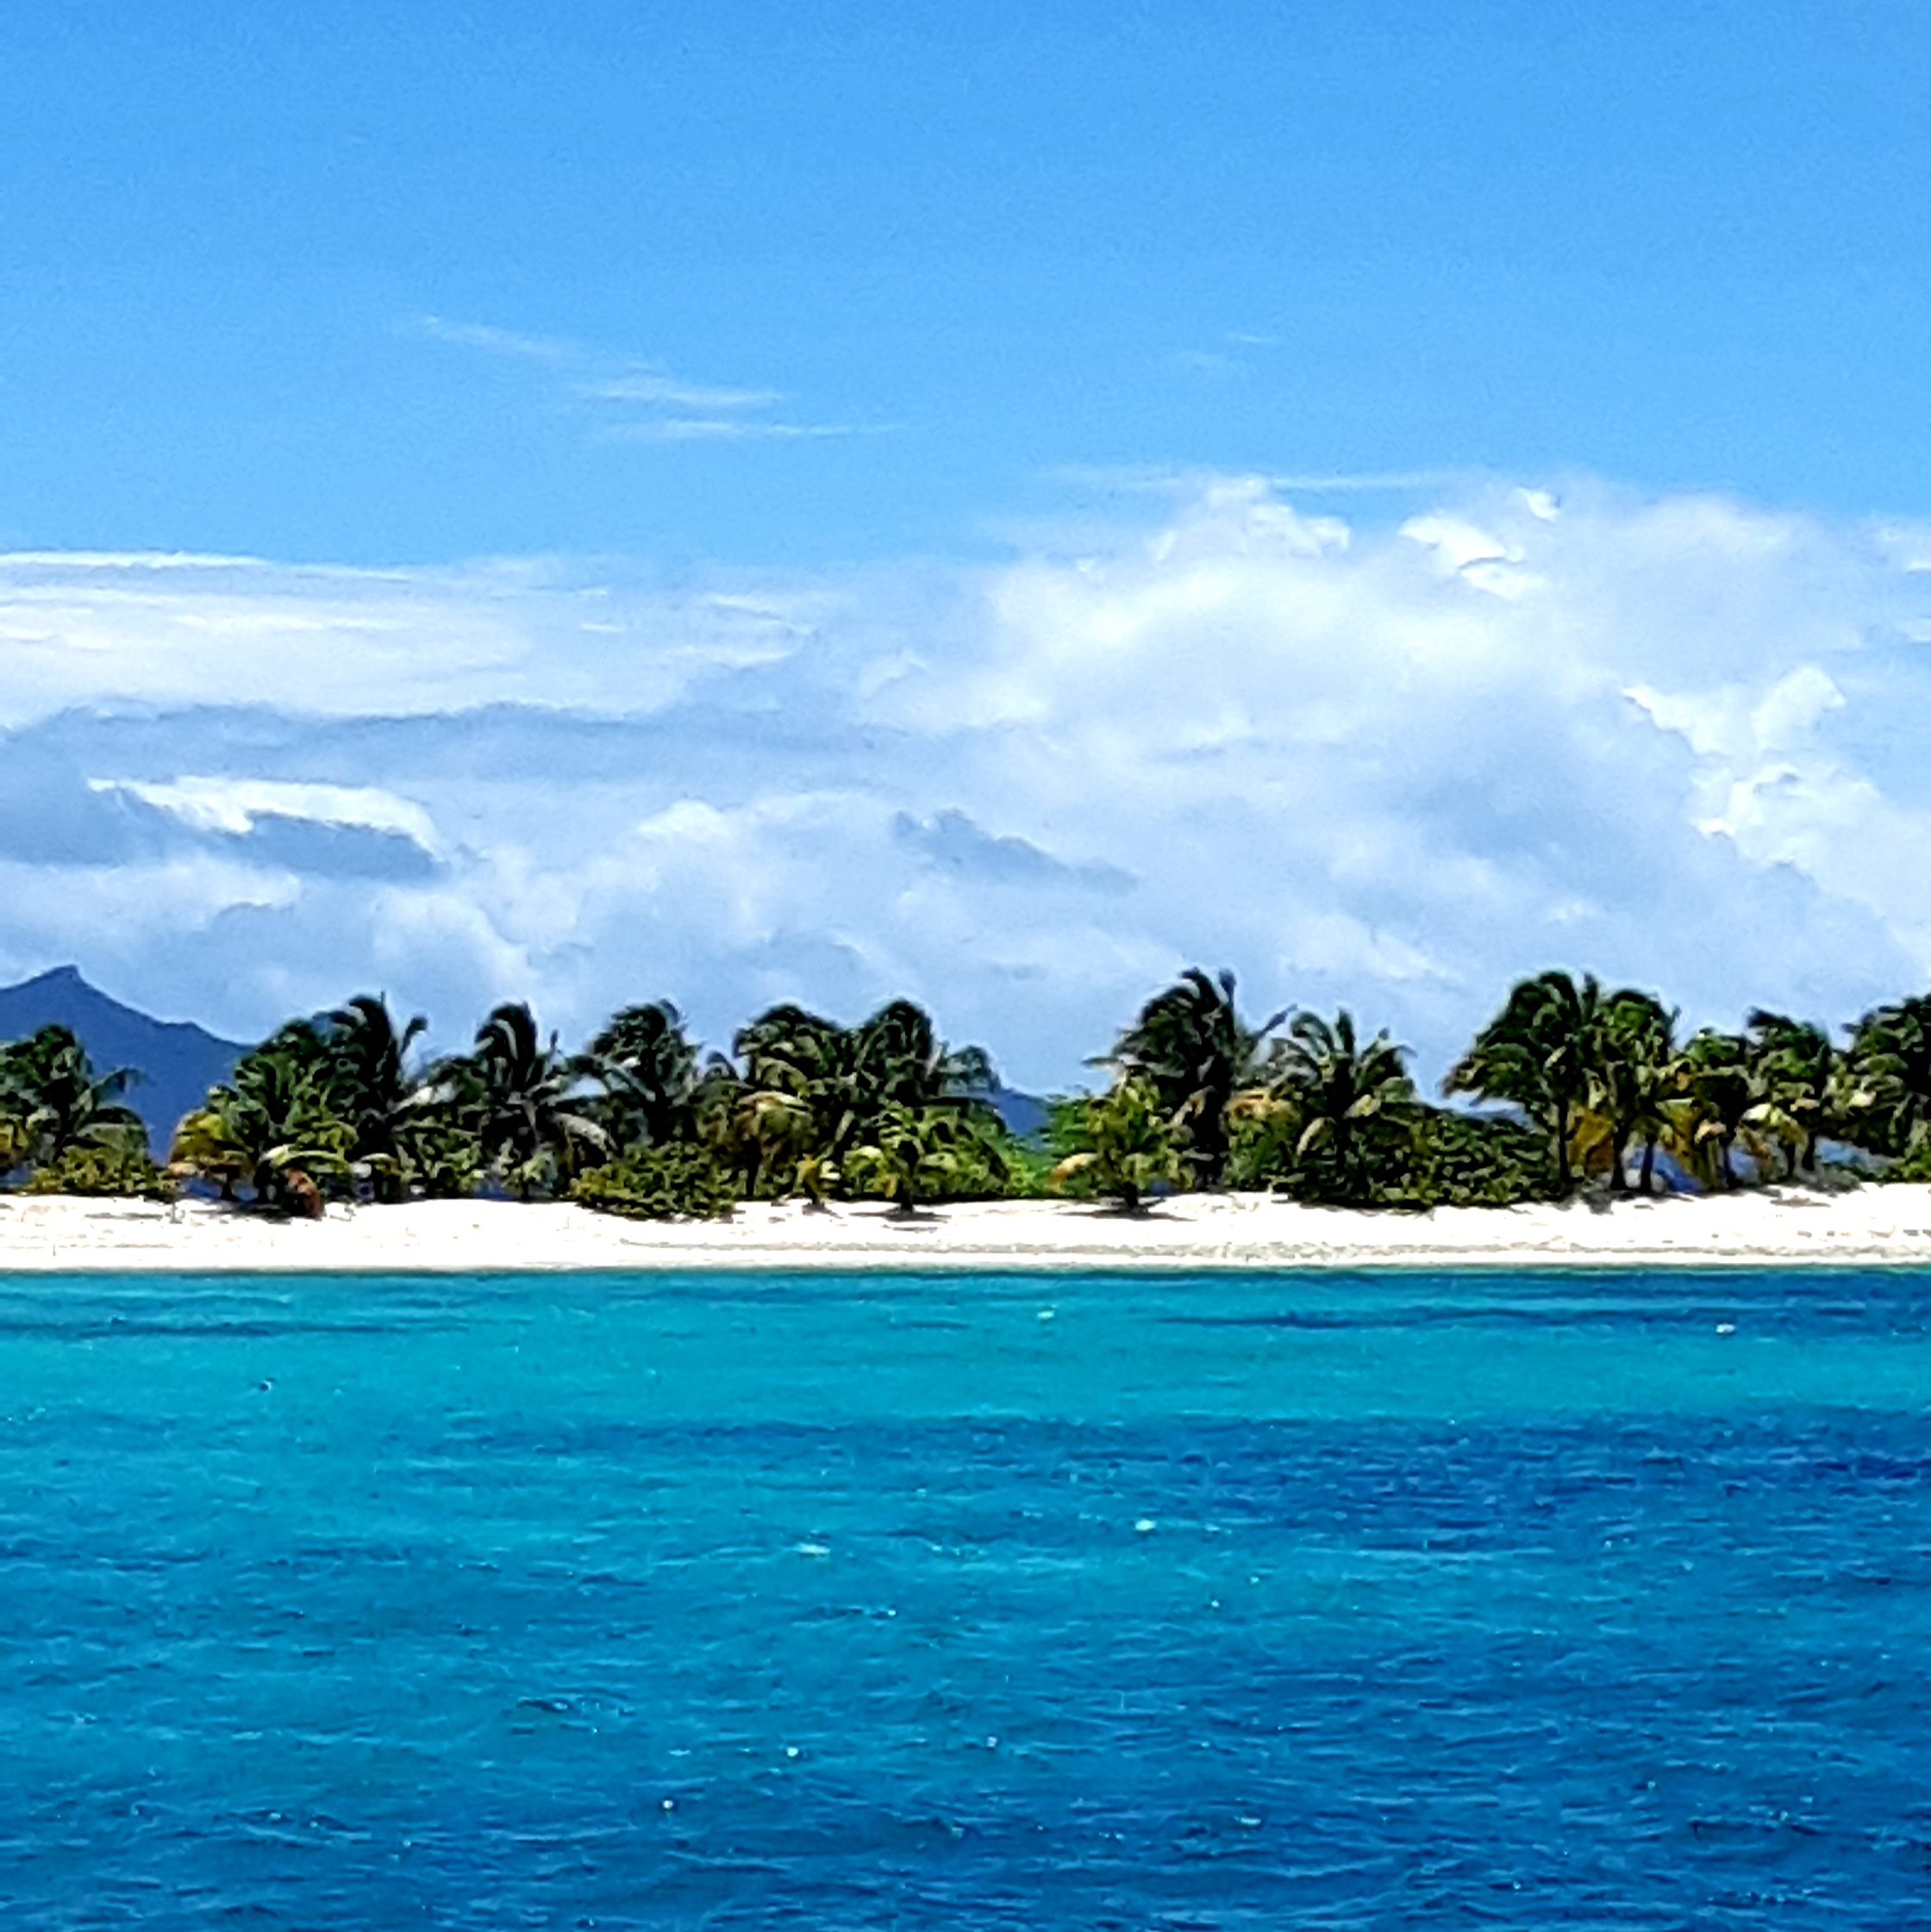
column 179, row 1061
column 1023, row 1113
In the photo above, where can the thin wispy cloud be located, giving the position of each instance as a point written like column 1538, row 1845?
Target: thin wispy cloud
column 647, row 386
column 634, row 398
column 1179, row 484
column 731, row 429
column 489, row 340
column 1218, row 361
column 1370, row 482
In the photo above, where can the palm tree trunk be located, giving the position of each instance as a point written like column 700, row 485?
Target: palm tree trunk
column 1619, row 1181
column 1649, row 1164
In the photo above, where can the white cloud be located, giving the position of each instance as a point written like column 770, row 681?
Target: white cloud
column 234, row 805
column 1678, row 739
column 725, row 430
column 645, row 386
column 490, row 340
column 103, row 630
column 638, row 400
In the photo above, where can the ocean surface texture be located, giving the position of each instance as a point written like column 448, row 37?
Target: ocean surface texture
column 836, row 1602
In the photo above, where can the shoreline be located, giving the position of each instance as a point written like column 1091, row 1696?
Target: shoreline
column 1865, row 1227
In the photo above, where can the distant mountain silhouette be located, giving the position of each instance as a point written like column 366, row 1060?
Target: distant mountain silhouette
column 181, row 1061
column 1023, row 1113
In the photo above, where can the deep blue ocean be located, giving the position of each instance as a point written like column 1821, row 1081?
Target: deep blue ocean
column 1075, row 1601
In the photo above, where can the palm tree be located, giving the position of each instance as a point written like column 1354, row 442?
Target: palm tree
column 786, row 1046
column 649, row 1067
column 898, row 1059
column 1635, row 1077
column 371, row 1090
column 915, row 1154
column 1712, row 1106
column 1191, row 1047
column 206, row 1145
column 795, row 1111
column 768, row 1139
column 1351, row 1101
column 440, row 1134
column 53, row 1100
column 531, row 1124
column 1128, row 1143
column 1889, row 1066
column 272, row 1125
column 1540, row 1054
column 814, row 1091
column 1795, row 1068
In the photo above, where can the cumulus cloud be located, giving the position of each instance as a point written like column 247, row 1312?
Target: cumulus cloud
column 1678, row 739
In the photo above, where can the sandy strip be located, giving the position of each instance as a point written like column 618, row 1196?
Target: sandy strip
column 1789, row 1226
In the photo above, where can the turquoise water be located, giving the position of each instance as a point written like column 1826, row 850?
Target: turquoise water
column 1187, row 1602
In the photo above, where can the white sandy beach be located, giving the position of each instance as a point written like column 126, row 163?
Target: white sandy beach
column 1785, row 1226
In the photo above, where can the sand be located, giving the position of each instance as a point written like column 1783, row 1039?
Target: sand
column 1782, row 1226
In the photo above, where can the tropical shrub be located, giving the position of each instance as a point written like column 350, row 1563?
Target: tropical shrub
column 676, row 1181
column 441, row 1155
column 1474, row 1160
column 125, row 1170
column 1914, row 1168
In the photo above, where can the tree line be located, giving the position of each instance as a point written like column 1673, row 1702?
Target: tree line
column 1574, row 1085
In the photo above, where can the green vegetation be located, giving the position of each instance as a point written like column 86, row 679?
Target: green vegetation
column 675, row 1181
column 64, row 1125
column 1193, row 1052
column 54, row 1104
column 1577, row 1086
column 123, row 1172
column 1125, row 1142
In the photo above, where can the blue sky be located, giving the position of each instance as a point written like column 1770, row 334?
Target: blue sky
column 996, row 503
column 1680, row 245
